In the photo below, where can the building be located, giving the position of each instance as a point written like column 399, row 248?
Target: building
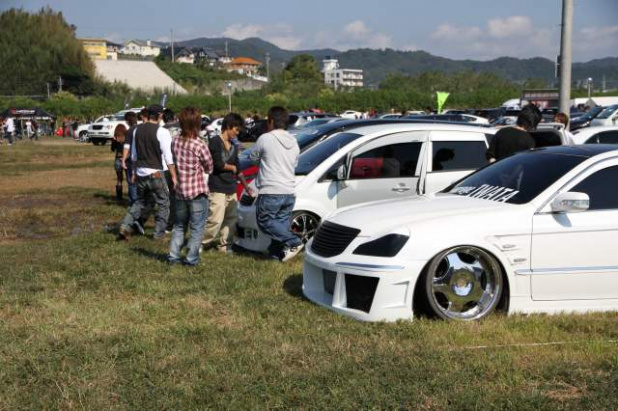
column 244, row 65
column 112, row 50
column 338, row 77
column 141, row 48
column 96, row 48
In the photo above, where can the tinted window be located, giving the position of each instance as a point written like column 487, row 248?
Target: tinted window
column 391, row 161
column 546, row 138
column 601, row 188
column 458, row 155
column 516, row 179
column 607, row 112
column 608, row 137
column 312, row 158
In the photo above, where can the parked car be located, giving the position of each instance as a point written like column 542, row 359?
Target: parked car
column 596, row 135
column 370, row 163
column 351, row 114
column 585, row 119
column 100, row 132
column 458, row 118
column 301, row 118
column 607, row 117
column 535, row 232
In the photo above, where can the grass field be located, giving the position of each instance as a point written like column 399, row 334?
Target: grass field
column 90, row 323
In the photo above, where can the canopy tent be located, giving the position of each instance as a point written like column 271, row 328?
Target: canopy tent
column 27, row 114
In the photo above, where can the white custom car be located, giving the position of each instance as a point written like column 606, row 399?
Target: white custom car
column 596, row 135
column 377, row 162
column 535, row 232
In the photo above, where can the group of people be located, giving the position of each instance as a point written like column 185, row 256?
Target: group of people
column 10, row 131
column 510, row 140
column 190, row 185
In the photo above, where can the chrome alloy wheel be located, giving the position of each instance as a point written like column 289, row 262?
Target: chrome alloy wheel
column 463, row 283
column 304, row 225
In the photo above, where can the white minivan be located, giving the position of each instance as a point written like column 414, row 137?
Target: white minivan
column 380, row 162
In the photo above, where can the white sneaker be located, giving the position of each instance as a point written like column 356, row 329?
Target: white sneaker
column 290, row 253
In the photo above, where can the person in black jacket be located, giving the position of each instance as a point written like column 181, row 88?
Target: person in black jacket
column 510, row 140
column 222, row 185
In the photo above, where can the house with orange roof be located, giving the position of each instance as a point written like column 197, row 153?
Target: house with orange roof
column 244, row 65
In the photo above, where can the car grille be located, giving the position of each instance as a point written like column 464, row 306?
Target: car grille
column 247, row 200
column 97, row 127
column 332, row 239
column 360, row 291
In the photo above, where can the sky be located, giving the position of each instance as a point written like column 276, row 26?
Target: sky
column 456, row 29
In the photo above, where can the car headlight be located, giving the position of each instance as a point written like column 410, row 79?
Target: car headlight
column 109, row 127
column 387, row 246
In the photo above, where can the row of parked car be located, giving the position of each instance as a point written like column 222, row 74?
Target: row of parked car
column 395, row 223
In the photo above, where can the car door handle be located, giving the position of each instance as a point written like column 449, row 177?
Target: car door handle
column 400, row 189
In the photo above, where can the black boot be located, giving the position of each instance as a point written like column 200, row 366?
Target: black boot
column 119, row 194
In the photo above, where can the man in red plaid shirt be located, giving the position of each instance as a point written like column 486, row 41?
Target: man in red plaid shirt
column 193, row 161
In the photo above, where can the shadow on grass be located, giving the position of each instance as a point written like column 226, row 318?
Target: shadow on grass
column 111, row 200
column 150, row 254
column 293, row 285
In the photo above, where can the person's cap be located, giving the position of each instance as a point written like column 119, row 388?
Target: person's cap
column 155, row 109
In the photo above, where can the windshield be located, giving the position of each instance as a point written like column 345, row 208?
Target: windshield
column 517, row 179
column 316, row 122
column 590, row 115
column 607, row 112
column 312, row 158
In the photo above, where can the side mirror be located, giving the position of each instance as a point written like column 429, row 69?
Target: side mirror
column 341, row 173
column 570, row 202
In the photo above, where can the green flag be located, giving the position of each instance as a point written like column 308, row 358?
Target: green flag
column 442, row 96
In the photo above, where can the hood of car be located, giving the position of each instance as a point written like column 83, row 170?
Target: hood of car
column 390, row 215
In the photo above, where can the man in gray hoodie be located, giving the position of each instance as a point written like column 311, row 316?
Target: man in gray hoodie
column 277, row 151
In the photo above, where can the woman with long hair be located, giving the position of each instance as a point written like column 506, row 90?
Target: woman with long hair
column 193, row 161
column 117, row 146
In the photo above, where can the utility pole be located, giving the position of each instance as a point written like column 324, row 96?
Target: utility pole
column 48, row 90
column 566, row 55
column 229, row 96
column 172, row 41
column 59, row 84
column 267, row 66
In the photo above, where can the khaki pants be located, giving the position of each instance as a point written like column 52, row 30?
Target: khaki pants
column 221, row 220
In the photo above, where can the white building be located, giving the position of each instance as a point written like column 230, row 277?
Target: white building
column 337, row 77
column 141, row 48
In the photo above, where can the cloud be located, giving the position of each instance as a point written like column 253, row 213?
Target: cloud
column 509, row 27
column 451, row 32
column 242, row 31
column 353, row 35
column 279, row 34
column 595, row 41
column 514, row 36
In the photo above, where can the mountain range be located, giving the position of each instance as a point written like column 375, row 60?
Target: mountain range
column 376, row 64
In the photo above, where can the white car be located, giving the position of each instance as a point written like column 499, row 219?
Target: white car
column 596, row 135
column 607, row 117
column 351, row 115
column 535, row 232
column 386, row 161
column 214, row 128
column 100, row 132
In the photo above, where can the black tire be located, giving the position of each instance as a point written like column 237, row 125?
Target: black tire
column 462, row 283
column 83, row 136
column 304, row 225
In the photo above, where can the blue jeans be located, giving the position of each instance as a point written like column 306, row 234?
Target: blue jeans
column 274, row 217
column 192, row 213
column 150, row 187
column 132, row 187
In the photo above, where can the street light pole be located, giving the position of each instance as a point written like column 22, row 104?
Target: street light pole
column 566, row 55
column 229, row 95
column 589, row 87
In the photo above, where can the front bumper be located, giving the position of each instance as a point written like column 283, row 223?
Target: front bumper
column 248, row 235
column 364, row 291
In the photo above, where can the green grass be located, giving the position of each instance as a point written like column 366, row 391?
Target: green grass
column 88, row 322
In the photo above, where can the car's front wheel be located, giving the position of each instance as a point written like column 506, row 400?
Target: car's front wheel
column 463, row 283
column 304, row 225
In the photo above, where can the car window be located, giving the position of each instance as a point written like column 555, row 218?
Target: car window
column 546, row 138
column 607, row 112
column 608, row 137
column 313, row 157
column 458, row 155
column 516, row 179
column 601, row 188
column 391, row 161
